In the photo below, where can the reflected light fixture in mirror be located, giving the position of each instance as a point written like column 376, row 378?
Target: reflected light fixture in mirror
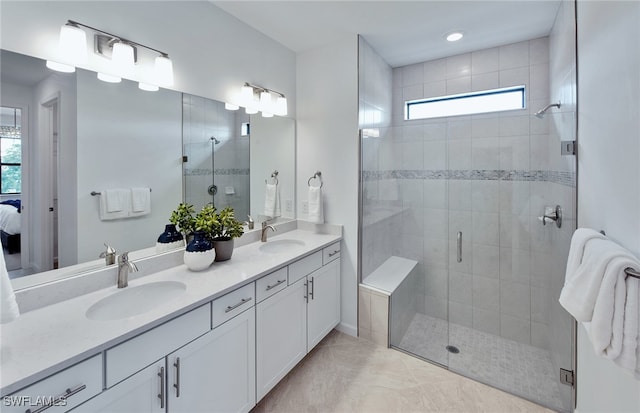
column 259, row 99
column 124, row 57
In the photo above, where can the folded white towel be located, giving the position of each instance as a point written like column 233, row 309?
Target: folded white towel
column 272, row 200
column 8, row 306
column 316, row 211
column 114, row 197
column 580, row 237
column 629, row 358
column 581, row 287
column 140, row 201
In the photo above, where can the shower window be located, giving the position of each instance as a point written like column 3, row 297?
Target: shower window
column 495, row 100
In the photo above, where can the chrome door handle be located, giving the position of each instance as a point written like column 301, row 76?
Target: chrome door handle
column 233, row 307
column 277, row 283
column 306, row 291
column 312, row 288
column 68, row 393
column 161, row 395
column 459, row 246
column 177, row 383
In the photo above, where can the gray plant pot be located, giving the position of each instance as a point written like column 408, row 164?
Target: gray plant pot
column 224, row 248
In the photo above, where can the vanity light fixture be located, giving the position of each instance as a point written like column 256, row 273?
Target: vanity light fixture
column 125, row 57
column 256, row 99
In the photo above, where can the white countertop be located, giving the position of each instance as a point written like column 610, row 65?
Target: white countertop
column 49, row 339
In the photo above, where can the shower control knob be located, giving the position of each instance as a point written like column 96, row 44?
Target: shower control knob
column 213, row 189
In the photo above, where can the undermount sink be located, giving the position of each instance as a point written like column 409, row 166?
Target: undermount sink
column 280, row 245
column 132, row 301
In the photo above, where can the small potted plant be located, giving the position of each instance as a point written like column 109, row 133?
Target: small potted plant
column 226, row 228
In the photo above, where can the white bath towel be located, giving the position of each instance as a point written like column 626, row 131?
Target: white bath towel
column 272, row 200
column 140, row 201
column 8, row 306
column 115, row 197
column 576, row 251
column 629, row 358
column 316, row 210
column 582, row 285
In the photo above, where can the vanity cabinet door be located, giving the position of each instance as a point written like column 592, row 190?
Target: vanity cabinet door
column 216, row 372
column 323, row 311
column 281, row 335
column 144, row 392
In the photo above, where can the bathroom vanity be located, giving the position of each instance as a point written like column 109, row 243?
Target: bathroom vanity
column 216, row 340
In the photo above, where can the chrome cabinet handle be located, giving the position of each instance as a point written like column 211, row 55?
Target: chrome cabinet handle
column 331, row 254
column 306, row 291
column 57, row 400
column 312, row 288
column 177, row 383
column 459, row 246
column 233, row 307
column 161, row 395
column 277, row 283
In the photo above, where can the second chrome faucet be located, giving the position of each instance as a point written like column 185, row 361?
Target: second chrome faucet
column 124, row 268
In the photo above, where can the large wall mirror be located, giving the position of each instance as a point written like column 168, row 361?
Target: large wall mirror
column 81, row 136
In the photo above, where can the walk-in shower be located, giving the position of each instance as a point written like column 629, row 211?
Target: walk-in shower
column 466, row 198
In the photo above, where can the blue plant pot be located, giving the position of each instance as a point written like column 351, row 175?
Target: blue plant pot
column 170, row 239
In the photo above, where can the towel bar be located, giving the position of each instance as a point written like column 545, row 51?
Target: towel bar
column 632, row 273
column 94, row 193
column 317, row 175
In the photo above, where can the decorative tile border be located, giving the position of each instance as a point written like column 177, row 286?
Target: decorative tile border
column 229, row 171
column 558, row 177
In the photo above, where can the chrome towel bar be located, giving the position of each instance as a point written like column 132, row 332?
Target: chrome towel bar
column 94, row 193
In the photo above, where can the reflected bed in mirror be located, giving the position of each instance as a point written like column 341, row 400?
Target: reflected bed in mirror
column 82, row 135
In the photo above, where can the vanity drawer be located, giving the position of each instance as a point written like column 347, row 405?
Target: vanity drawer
column 304, row 266
column 232, row 304
column 63, row 391
column 330, row 253
column 271, row 284
column 131, row 356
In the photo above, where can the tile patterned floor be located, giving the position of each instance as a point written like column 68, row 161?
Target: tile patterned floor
column 347, row 374
column 515, row 367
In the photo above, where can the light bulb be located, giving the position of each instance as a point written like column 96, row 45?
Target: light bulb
column 281, row 106
column 267, row 114
column 250, row 110
column 231, row 106
column 72, row 45
column 246, row 95
column 60, row 67
column 109, row 78
column 123, row 58
column 265, row 102
column 164, row 71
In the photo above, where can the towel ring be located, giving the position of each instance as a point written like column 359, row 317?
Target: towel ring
column 317, row 175
column 274, row 176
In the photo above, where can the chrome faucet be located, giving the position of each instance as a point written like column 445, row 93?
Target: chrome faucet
column 109, row 255
column 263, row 237
column 124, row 268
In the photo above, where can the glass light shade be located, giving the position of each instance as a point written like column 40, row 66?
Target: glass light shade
column 148, row 87
column 267, row 114
column 122, row 58
column 109, row 78
column 250, row 110
column 246, row 95
column 265, row 102
column 60, row 67
column 73, row 45
column 281, row 106
column 164, row 71
column 231, row 106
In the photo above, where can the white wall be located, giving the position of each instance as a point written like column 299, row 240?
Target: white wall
column 608, row 167
column 213, row 53
column 126, row 138
column 327, row 141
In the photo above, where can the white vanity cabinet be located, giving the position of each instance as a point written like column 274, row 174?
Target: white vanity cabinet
column 294, row 320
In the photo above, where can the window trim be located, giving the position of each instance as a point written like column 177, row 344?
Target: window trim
column 500, row 91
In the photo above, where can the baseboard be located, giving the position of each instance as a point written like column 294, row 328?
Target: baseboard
column 347, row 329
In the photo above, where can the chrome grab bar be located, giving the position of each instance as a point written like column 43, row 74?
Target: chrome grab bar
column 459, row 246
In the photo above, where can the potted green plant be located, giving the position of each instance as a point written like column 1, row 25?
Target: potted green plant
column 199, row 253
column 183, row 217
column 225, row 228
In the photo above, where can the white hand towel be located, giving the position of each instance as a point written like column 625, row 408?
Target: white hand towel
column 115, row 195
column 581, row 288
column 272, row 200
column 140, row 201
column 629, row 358
column 576, row 251
column 8, row 306
column 316, row 211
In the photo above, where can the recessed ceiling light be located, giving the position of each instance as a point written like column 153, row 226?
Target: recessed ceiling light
column 454, row 37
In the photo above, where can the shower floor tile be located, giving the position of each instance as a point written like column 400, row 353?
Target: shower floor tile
column 518, row 368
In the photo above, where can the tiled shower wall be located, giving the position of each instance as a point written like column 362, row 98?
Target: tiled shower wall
column 489, row 176
column 202, row 119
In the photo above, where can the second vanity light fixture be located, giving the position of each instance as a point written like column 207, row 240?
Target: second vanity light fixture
column 256, row 99
column 123, row 55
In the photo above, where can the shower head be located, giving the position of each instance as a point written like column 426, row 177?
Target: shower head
column 215, row 141
column 540, row 114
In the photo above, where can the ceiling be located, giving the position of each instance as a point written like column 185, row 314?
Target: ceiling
column 402, row 32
